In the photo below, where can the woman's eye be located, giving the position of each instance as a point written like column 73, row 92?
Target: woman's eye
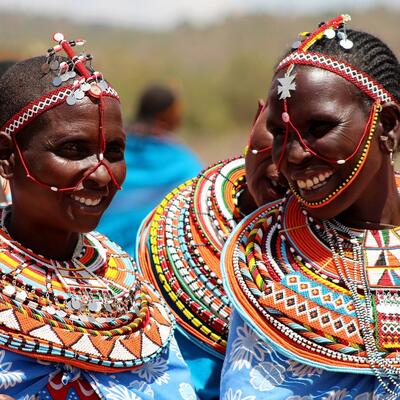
column 72, row 150
column 320, row 128
column 115, row 152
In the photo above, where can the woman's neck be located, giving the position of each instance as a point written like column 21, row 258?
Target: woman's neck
column 378, row 209
column 41, row 239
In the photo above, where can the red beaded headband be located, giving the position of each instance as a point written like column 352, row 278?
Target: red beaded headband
column 360, row 79
column 90, row 83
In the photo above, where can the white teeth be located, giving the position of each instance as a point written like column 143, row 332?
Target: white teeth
column 314, row 182
column 309, row 183
column 301, row 184
column 87, row 202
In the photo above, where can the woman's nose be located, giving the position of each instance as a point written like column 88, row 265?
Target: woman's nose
column 99, row 175
column 296, row 152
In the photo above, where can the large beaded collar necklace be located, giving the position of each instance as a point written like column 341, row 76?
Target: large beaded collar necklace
column 180, row 250
column 93, row 311
column 318, row 292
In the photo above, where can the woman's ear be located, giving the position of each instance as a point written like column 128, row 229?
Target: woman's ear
column 7, row 156
column 390, row 124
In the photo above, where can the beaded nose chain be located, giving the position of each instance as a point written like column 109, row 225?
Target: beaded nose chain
column 334, row 28
column 88, row 83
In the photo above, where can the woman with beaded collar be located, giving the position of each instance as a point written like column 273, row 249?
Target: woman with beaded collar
column 313, row 277
column 76, row 319
column 181, row 242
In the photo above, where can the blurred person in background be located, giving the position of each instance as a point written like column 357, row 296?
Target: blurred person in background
column 156, row 163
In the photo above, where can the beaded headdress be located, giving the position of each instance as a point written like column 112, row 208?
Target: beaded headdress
column 87, row 82
column 334, row 29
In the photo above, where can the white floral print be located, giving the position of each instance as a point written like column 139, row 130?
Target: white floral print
column 266, row 376
column 245, row 348
column 154, row 371
column 119, row 392
column 301, row 370
column 143, row 387
column 186, row 391
column 174, row 347
column 230, row 395
column 8, row 378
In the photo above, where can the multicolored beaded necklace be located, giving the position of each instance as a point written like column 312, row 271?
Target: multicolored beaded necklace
column 305, row 285
column 94, row 311
column 180, row 246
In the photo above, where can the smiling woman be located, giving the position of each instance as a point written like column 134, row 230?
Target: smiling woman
column 76, row 319
column 314, row 277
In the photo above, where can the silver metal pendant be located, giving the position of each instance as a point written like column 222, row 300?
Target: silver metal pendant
column 71, row 100
column 74, row 304
column 57, row 81
column 94, row 306
column 330, row 33
column 347, row 44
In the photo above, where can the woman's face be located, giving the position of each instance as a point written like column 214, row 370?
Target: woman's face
column 61, row 148
column 331, row 117
column 263, row 181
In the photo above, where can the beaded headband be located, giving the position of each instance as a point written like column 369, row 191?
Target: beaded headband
column 89, row 83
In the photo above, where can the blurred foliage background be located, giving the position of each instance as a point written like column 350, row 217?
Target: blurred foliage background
column 220, row 70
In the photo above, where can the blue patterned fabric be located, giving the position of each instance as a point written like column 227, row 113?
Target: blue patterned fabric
column 155, row 166
column 253, row 370
column 165, row 378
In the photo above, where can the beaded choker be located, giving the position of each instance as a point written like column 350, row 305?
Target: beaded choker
column 94, row 311
column 180, row 246
column 318, row 292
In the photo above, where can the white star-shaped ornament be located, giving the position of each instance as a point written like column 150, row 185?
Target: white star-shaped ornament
column 286, row 84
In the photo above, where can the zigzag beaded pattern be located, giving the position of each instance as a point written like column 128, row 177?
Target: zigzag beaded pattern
column 180, row 251
column 35, row 319
column 363, row 81
column 280, row 273
column 41, row 105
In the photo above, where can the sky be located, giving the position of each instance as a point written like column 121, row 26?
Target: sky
column 164, row 14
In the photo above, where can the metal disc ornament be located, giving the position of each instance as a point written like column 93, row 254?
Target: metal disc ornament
column 54, row 64
column 94, row 306
column 103, row 84
column 57, row 81
column 74, row 304
column 85, row 86
column 347, row 44
column 71, row 100
column 296, row 44
column 330, row 33
column 71, row 74
column 79, row 94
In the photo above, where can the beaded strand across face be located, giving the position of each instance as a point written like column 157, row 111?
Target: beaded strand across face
column 87, row 82
column 330, row 30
